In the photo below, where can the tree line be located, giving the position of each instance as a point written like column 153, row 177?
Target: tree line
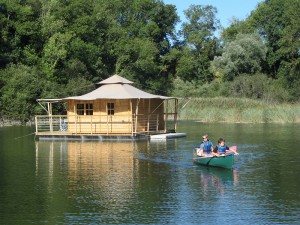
column 53, row 49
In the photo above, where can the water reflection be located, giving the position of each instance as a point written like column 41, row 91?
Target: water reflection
column 157, row 183
column 104, row 180
column 217, row 180
column 110, row 162
column 151, row 182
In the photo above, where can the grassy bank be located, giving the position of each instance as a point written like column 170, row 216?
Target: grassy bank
column 237, row 110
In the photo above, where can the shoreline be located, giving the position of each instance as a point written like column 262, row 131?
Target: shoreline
column 9, row 123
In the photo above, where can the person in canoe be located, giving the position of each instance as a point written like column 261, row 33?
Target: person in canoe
column 206, row 147
column 221, row 148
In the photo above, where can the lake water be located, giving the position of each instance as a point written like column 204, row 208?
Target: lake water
column 151, row 182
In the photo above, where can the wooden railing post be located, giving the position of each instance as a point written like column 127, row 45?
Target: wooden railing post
column 175, row 116
column 91, row 124
column 51, row 123
column 36, row 124
column 167, row 114
column 76, row 124
column 157, row 118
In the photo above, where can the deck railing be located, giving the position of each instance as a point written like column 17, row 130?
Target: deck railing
column 94, row 124
column 51, row 123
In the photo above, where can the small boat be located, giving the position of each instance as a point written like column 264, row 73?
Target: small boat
column 224, row 161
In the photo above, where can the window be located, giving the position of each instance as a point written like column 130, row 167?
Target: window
column 85, row 109
column 110, row 108
column 89, row 109
column 80, row 109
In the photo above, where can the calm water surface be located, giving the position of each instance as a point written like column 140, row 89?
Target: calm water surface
column 147, row 182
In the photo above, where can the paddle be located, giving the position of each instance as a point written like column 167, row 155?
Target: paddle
column 207, row 156
column 210, row 160
column 195, row 150
column 233, row 149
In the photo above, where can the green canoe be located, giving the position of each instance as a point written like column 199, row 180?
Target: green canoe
column 226, row 161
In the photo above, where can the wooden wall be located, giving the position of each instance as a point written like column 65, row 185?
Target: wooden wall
column 150, row 116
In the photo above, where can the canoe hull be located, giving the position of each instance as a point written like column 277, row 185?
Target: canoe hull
column 221, row 161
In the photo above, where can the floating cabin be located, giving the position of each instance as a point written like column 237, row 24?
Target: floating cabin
column 115, row 110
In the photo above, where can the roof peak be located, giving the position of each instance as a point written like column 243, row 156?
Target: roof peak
column 115, row 79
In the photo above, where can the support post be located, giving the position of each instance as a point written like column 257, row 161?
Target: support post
column 75, row 113
column 50, row 116
column 91, row 124
column 166, row 117
column 175, row 116
column 36, row 125
column 131, row 119
column 157, row 122
column 136, row 114
column 149, row 116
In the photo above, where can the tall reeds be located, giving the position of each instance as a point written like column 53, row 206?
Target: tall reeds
column 237, row 110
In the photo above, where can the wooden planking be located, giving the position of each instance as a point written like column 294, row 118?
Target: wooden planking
column 121, row 121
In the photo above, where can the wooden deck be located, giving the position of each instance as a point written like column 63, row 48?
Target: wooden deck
column 87, row 137
column 58, row 127
column 104, row 137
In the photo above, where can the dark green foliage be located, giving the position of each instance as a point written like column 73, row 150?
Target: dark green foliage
column 200, row 45
column 245, row 54
column 277, row 22
column 257, row 86
column 22, row 86
column 63, row 47
column 54, row 49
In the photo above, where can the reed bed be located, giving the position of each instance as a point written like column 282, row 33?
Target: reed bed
column 237, row 110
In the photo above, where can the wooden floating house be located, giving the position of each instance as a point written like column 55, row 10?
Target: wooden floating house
column 115, row 110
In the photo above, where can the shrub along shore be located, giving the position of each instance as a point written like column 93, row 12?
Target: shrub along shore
column 237, row 110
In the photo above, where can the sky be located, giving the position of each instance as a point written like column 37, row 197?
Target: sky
column 227, row 9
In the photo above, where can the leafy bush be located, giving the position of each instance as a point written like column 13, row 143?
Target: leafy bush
column 198, row 89
column 258, row 86
column 244, row 55
column 23, row 85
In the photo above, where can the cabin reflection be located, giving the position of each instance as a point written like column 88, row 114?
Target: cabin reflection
column 107, row 166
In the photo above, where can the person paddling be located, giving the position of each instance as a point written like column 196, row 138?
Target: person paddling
column 206, row 147
column 221, row 148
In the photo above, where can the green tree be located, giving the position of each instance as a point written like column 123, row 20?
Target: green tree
column 278, row 23
column 289, row 71
column 136, row 59
column 236, row 27
column 199, row 42
column 267, row 19
column 55, row 51
column 75, row 31
column 82, row 41
column 20, row 32
column 142, row 43
column 23, row 85
column 243, row 55
column 258, row 86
